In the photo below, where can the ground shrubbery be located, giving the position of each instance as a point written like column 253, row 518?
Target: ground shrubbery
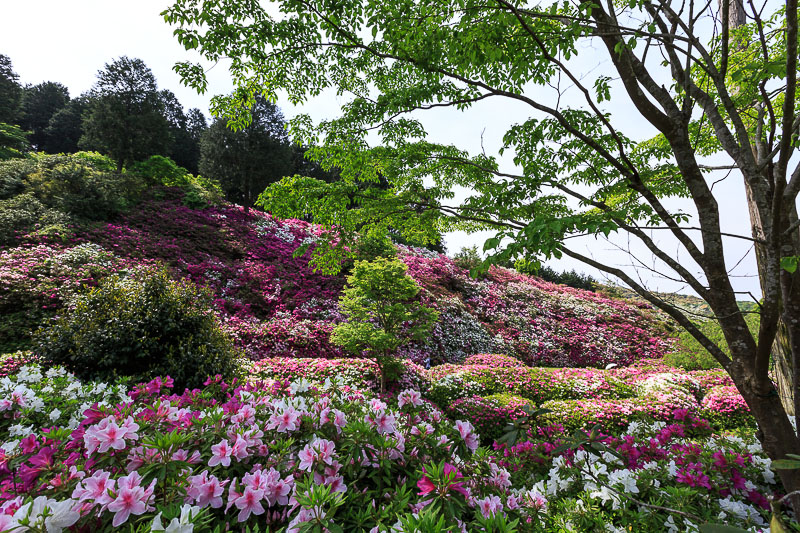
column 140, row 327
column 239, row 456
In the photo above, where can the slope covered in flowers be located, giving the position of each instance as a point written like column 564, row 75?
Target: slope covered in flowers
column 273, row 304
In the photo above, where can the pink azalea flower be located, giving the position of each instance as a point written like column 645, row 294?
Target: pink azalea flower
column 220, row 454
column 249, row 503
column 205, row 490
column 409, row 397
column 286, row 421
column 129, row 501
column 489, row 506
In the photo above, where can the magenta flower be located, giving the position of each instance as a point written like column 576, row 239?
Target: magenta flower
column 427, row 486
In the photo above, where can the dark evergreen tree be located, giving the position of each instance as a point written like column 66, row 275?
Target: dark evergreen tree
column 247, row 160
column 65, row 127
column 125, row 119
column 10, row 91
column 185, row 131
column 39, row 103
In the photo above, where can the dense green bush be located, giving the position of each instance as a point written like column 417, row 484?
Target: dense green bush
column 690, row 354
column 147, row 328
column 23, row 213
column 77, row 185
column 199, row 192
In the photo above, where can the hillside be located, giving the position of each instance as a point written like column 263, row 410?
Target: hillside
column 273, row 304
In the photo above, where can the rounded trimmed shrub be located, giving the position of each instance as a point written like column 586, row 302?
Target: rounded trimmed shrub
column 141, row 328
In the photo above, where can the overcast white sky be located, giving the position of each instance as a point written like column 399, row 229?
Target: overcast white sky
column 69, row 41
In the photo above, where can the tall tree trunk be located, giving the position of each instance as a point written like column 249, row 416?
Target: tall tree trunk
column 781, row 347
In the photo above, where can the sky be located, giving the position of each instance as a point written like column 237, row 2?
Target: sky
column 68, row 42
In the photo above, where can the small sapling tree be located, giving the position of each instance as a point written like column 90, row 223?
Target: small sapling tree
column 382, row 310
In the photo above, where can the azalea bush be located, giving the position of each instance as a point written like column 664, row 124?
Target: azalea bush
column 288, row 456
column 283, row 456
column 359, row 373
column 601, row 482
column 492, row 396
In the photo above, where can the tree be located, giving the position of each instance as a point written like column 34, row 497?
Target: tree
column 10, row 91
column 65, row 127
column 13, row 142
column 382, row 310
column 39, row 104
column 185, row 148
column 246, row 160
column 702, row 88
column 125, row 118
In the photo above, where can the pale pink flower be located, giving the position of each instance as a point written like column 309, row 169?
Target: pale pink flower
column 95, row 489
column 205, row 490
column 129, row 501
column 489, row 506
column 220, row 454
column 286, row 421
column 409, row 397
column 239, row 448
column 249, row 503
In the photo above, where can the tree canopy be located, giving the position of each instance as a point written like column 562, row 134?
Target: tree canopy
column 39, row 103
column 246, row 160
column 125, row 118
column 10, row 91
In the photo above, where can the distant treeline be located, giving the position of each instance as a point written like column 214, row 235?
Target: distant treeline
column 128, row 118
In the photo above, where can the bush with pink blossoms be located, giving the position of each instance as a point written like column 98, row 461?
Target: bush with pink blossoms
column 724, row 406
column 596, row 482
column 580, row 398
column 496, row 360
column 359, row 373
column 268, row 453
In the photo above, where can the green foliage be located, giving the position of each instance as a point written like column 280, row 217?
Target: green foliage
column 199, row 192
column 689, row 354
column 469, row 258
column 24, row 212
column 371, row 247
column 74, row 185
column 570, row 278
column 65, row 127
column 141, row 328
column 10, row 91
column 13, row 142
column 383, row 311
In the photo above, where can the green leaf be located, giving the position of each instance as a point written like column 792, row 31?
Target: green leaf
column 790, row 263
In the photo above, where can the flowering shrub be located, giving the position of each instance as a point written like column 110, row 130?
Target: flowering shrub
column 268, row 453
column 597, row 487
column 725, row 407
column 273, row 304
column 11, row 362
column 580, row 398
column 496, row 360
column 359, row 373
column 489, row 415
column 37, row 281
